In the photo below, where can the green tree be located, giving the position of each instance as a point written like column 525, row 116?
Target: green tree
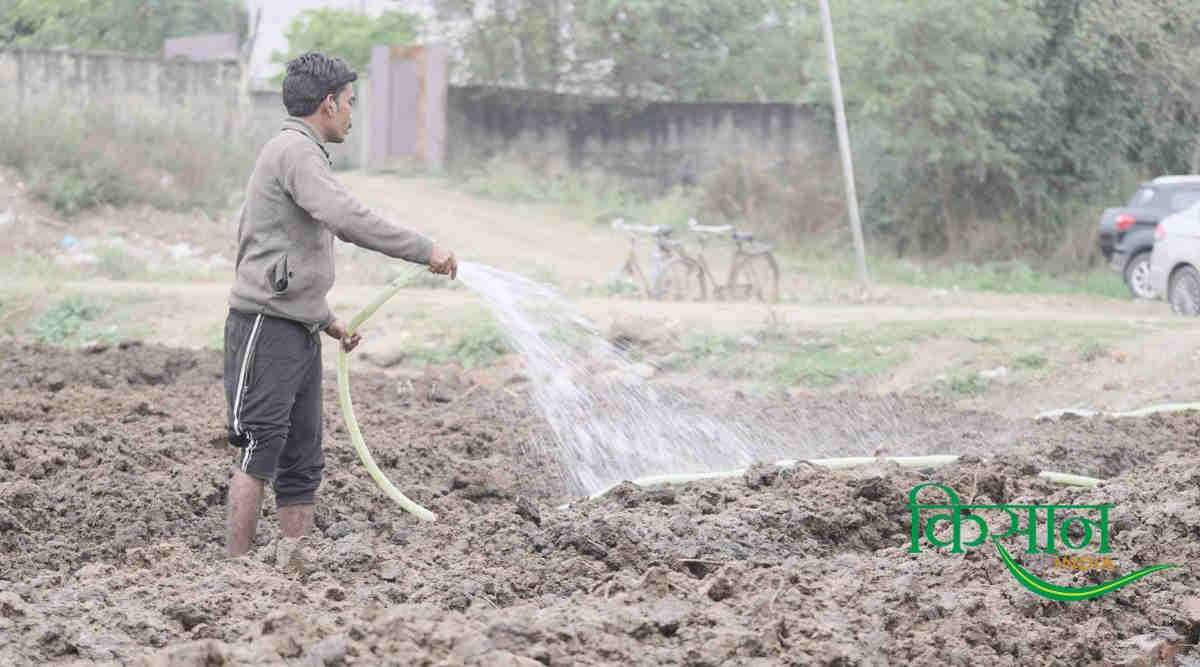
column 963, row 114
column 1119, row 92
column 524, row 44
column 937, row 86
column 136, row 26
column 682, row 50
column 345, row 33
column 1026, row 111
column 673, row 50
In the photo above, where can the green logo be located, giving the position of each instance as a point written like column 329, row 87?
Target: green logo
column 952, row 514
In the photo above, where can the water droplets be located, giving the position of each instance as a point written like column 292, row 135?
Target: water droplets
column 608, row 424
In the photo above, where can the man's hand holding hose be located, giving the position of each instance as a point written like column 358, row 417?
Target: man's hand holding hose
column 337, row 331
column 442, row 261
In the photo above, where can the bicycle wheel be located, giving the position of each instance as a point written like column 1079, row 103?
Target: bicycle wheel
column 756, row 274
column 680, row 280
column 628, row 279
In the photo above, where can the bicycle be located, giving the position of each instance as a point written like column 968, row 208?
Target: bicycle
column 753, row 270
column 674, row 275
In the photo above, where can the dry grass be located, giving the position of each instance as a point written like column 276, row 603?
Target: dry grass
column 1078, row 248
column 78, row 159
column 796, row 201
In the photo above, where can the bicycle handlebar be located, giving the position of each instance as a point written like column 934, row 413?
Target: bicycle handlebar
column 712, row 229
column 620, row 224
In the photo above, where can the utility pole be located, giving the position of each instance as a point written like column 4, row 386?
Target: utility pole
column 244, row 55
column 839, row 110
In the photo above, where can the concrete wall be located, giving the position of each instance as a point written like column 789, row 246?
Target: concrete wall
column 214, row 46
column 204, row 94
column 660, row 144
column 201, row 93
column 267, row 113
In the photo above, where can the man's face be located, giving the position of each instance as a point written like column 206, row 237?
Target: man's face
column 339, row 119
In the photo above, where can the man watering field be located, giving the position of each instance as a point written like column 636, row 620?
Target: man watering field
column 284, row 269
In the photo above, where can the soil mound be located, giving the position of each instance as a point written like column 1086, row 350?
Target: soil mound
column 114, row 467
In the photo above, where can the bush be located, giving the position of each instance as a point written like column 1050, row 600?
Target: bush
column 592, row 195
column 962, row 384
column 481, row 342
column 799, row 200
column 77, row 188
column 1030, row 360
column 66, row 319
column 79, row 159
column 480, row 345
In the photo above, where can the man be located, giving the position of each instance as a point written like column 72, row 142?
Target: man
column 284, row 269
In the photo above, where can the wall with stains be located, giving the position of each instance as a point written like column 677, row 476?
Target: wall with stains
column 204, row 94
column 657, row 143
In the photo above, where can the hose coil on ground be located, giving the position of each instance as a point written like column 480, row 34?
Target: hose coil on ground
column 356, row 438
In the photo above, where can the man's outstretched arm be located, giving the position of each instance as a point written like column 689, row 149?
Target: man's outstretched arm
column 312, row 186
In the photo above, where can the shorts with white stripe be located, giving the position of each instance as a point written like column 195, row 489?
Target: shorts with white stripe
column 273, row 403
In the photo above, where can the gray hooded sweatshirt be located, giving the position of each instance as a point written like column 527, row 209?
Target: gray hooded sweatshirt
column 294, row 208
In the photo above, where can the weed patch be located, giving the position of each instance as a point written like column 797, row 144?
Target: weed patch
column 962, row 384
column 79, row 159
column 778, row 360
column 1091, row 351
column 70, row 318
column 480, row 344
column 116, row 263
column 588, row 195
column 1019, row 276
column 1030, row 360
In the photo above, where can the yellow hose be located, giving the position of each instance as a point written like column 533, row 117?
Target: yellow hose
column 343, row 377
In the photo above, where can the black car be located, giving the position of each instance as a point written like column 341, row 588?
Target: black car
column 1127, row 233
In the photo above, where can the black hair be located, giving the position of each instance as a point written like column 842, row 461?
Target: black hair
column 310, row 78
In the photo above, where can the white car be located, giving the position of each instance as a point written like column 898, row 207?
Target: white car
column 1175, row 262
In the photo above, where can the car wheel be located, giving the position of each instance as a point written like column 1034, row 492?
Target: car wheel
column 1137, row 276
column 1184, row 291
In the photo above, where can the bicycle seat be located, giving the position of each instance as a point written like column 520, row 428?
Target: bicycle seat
column 739, row 235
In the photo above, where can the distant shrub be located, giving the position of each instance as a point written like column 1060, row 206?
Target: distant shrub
column 79, row 159
column 67, row 318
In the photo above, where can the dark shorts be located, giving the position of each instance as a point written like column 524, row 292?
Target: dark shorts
column 273, row 403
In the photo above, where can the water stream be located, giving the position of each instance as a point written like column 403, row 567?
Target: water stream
column 608, row 423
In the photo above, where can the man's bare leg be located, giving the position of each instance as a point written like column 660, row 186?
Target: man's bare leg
column 245, row 504
column 297, row 520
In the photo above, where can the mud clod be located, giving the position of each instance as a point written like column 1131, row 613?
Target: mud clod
column 527, row 510
column 55, row 382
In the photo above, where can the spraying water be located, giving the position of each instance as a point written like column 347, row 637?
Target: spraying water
column 608, row 424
